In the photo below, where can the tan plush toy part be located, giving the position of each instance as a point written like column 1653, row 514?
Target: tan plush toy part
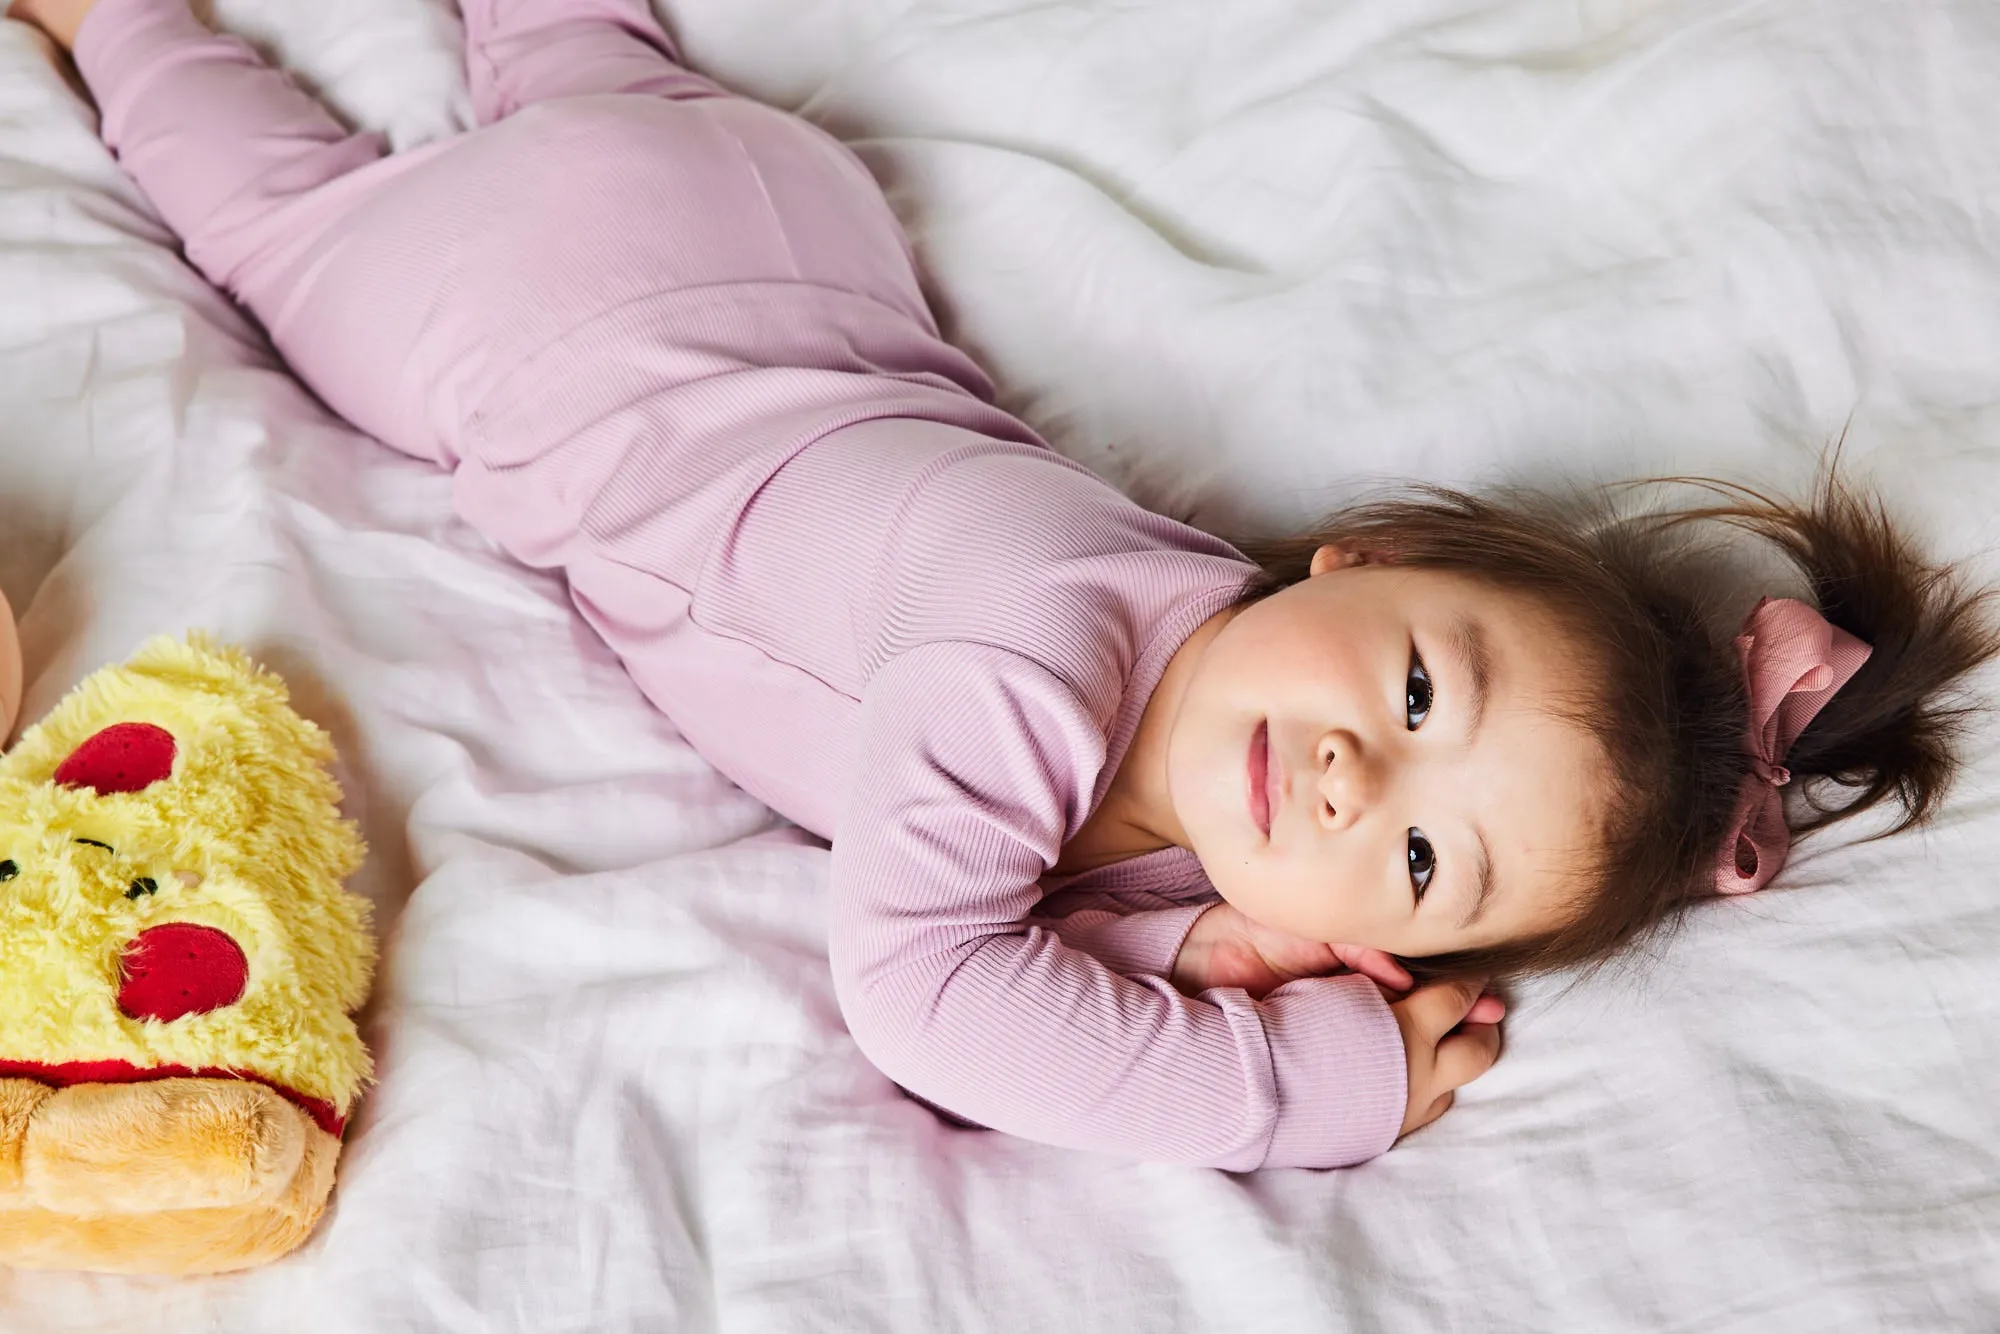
column 10, row 671
column 179, row 967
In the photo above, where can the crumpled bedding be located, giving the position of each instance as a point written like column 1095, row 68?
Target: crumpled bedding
column 1248, row 261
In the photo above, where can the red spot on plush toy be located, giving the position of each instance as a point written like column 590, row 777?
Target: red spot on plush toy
column 180, row 969
column 125, row 757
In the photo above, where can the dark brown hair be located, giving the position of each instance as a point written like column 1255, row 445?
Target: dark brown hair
column 1666, row 698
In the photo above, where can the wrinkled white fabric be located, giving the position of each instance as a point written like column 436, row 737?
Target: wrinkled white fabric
column 1245, row 260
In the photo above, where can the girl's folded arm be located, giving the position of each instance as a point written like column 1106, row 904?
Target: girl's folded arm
column 970, row 763
column 1145, row 942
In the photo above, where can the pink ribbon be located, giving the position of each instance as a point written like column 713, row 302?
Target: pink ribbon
column 1793, row 663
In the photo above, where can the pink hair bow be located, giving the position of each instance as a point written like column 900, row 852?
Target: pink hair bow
column 1793, row 662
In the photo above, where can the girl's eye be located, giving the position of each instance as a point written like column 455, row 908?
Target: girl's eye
column 1423, row 863
column 1416, row 694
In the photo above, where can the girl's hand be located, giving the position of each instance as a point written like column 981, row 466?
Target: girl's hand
column 1451, row 1030
column 1227, row 949
column 1450, row 1037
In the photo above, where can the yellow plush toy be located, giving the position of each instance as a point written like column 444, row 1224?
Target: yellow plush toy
column 179, row 966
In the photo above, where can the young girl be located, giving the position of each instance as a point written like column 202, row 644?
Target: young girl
column 670, row 342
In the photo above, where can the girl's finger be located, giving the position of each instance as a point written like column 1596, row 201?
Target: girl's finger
column 1434, row 1111
column 1466, row 1055
column 1486, row 1010
column 1442, row 1006
column 1378, row 966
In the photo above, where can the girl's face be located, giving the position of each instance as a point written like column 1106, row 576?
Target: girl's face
column 1378, row 755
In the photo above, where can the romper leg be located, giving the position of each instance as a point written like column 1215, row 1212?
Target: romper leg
column 216, row 138
column 523, row 51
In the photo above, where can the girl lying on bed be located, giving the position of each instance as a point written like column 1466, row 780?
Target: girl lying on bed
column 1110, row 804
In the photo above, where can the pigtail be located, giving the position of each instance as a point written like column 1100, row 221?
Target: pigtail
column 1893, row 730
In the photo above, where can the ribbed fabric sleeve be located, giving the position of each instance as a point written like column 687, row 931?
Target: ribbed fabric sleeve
column 958, row 809
column 1129, row 943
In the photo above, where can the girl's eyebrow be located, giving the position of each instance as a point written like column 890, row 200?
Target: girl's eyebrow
column 1467, row 640
column 1485, row 879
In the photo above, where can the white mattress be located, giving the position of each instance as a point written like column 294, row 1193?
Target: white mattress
column 1246, row 259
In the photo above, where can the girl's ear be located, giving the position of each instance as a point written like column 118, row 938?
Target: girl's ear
column 1335, row 556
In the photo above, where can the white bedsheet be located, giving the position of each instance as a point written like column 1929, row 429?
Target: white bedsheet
column 1245, row 258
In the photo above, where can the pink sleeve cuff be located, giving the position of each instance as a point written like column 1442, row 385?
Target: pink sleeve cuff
column 1342, row 1081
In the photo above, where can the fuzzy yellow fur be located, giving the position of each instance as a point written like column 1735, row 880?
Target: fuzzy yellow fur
column 176, row 1175
column 246, row 836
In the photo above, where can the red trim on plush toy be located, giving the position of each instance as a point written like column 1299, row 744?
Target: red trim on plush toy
column 124, row 1072
column 124, row 757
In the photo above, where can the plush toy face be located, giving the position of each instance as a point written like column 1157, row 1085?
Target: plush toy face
column 181, row 961
column 171, row 859
column 80, row 895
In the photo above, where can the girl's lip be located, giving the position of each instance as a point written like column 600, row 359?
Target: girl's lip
column 1260, row 777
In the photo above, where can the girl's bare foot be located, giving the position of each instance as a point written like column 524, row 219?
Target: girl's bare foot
column 60, row 19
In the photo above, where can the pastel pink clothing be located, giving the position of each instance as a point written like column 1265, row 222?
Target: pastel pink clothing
column 670, row 342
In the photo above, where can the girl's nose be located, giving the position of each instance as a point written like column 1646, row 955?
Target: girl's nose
column 1350, row 780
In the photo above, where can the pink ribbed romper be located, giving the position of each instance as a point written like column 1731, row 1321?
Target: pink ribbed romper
column 670, row 342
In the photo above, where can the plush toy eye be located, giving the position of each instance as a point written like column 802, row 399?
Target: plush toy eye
column 8, row 870
column 143, row 886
